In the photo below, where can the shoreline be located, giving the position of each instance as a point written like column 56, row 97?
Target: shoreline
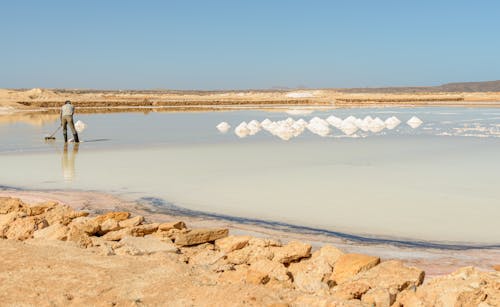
column 434, row 259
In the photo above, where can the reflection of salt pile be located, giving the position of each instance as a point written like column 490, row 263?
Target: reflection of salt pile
column 392, row 122
column 242, row 130
column 80, row 126
column 414, row 122
column 223, row 127
column 319, row 126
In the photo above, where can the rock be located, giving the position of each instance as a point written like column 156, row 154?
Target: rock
column 9, row 204
column 206, row 257
column 325, row 301
column 496, row 267
column 131, row 222
column 142, row 230
column 249, row 255
column 293, row 251
column 273, row 269
column 256, row 277
column 6, row 220
column 198, row 236
column 350, row 290
column 147, row 245
column 55, row 231
column 328, row 253
column 117, row 216
column 464, row 287
column 260, row 242
column 310, row 275
column 232, row 243
column 42, row 208
column 392, row 275
column 86, row 224
column 348, row 265
column 172, row 225
column 23, row 228
column 62, row 214
column 379, row 297
column 109, row 225
column 117, row 235
column 80, row 237
column 236, row 276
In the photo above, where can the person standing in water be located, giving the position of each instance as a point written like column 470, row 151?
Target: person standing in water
column 67, row 112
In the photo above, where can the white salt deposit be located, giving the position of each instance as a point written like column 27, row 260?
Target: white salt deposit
column 348, row 127
column 362, row 124
column 223, row 127
column 414, row 122
column 253, row 126
column 300, row 95
column 334, row 121
column 242, row 130
column 376, row 125
column 392, row 122
column 80, row 126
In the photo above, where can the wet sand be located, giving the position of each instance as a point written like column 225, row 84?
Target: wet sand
column 435, row 261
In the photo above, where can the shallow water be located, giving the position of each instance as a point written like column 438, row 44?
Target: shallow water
column 438, row 182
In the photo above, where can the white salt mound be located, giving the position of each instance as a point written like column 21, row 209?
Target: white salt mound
column 242, row 130
column 376, row 125
column 223, row 127
column 300, row 95
column 392, row 122
column 80, row 126
column 334, row 121
column 414, row 122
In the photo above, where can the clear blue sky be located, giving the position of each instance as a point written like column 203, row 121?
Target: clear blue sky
column 215, row 44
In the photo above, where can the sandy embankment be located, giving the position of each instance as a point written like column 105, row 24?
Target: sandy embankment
column 55, row 256
column 106, row 101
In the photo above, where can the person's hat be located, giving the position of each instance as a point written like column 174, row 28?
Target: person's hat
column 67, row 101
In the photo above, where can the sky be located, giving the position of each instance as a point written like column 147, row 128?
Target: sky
column 253, row 44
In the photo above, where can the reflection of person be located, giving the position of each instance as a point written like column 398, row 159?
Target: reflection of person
column 67, row 112
column 68, row 162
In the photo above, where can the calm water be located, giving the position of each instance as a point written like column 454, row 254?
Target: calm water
column 438, row 182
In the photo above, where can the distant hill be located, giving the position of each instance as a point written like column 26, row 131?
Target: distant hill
column 486, row 86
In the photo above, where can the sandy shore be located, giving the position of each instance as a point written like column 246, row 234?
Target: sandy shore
column 435, row 261
column 111, row 101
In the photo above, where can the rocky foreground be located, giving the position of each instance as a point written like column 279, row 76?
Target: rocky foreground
column 54, row 255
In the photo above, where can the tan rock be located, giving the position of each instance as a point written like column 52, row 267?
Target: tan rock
column 496, row 267
column 109, row 225
column 198, row 236
column 256, row 277
column 23, row 228
column 172, row 225
column 62, row 214
column 117, row 216
column 6, row 220
column 236, row 276
column 85, row 224
column 348, row 265
column 145, row 246
column 350, row 290
column 117, row 235
column 264, row 242
column 273, row 269
column 142, row 230
column 80, row 237
column 232, row 243
column 293, row 251
column 131, row 222
column 42, row 208
column 464, row 287
column 379, row 297
column 328, row 253
column 206, row 257
column 325, row 301
column 392, row 275
column 9, row 204
column 250, row 254
column 311, row 275
column 55, row 231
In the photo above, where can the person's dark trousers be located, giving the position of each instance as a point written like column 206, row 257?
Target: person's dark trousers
column 65, row 120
